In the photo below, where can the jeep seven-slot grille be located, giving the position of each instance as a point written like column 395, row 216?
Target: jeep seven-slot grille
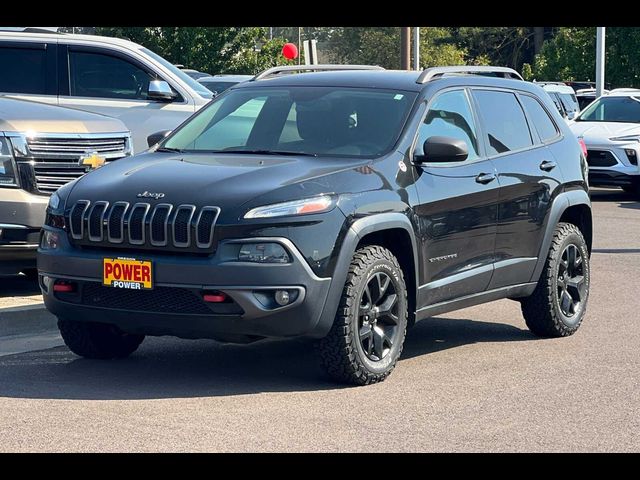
column 142, row 225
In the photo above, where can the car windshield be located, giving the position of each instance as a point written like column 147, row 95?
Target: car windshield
column 198, row 87
column 318, row 121
column 612, row 109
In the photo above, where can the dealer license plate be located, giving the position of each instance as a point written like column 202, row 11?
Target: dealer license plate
column 127, row 273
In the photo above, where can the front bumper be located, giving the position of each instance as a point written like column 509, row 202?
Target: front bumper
column 249, row 285
column 21, row 217
column 602, row 177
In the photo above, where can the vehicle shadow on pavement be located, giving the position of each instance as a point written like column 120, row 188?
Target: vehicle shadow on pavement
column 18, row 286
column 434, row 334
column 170, row 368
column 624, row 200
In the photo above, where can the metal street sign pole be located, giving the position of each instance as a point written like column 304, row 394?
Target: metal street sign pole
column 600, row 59
column 416, row 48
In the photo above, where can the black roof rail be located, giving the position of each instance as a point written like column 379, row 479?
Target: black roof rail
column 312, row 68
column 435, row 72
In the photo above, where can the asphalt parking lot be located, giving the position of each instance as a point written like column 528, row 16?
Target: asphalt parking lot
column 473, row 380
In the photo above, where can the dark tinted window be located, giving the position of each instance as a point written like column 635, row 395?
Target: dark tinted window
column 540, row 118
column 450, row 116
column 23, row 70
column 504, row 121
column 97, row 75
column 218, row 87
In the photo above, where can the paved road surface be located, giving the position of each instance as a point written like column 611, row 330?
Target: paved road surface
column 473, row 380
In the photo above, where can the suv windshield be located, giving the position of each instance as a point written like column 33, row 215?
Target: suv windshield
column 198, row 87
column 612, row 109
column 331, row 121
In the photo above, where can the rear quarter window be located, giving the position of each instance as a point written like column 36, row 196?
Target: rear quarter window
column 540, row 118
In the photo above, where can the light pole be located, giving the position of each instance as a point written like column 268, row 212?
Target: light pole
column 600, row 59
column 405, row 48
column 416, row 48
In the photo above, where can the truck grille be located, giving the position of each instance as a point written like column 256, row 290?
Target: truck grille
column 53, row 161
column 600, row 158
column 141, row 225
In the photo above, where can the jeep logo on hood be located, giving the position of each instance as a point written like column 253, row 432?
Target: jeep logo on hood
column 146, row 194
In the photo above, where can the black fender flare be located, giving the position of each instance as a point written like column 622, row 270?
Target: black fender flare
column 563, row 201
column 357, row 231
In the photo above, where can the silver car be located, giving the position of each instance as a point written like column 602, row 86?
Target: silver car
column 43, row 147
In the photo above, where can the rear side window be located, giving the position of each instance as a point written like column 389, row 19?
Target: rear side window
column 23, row 70
column 504, row 122
column 540, row 118
column 105, row 76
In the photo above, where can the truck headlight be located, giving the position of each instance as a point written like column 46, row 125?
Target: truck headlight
column 7, row 164
column 322, row 203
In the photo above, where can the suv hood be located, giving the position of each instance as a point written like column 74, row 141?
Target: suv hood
column 23, row 115
column 601, row 132
column 228, row 181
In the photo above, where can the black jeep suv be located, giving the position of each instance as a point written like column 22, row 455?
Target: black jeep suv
column 343, row 204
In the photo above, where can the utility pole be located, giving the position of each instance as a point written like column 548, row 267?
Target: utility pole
column 405, row 48
column 600, row 59
column 416, row 48
column 299, row 43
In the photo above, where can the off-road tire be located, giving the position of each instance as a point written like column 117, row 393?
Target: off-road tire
column 341, row 352
column 541, row 310
column 97, row 340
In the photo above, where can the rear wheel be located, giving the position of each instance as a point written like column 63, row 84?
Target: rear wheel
column 368, row 332
column 558, row 304
column 98, row 340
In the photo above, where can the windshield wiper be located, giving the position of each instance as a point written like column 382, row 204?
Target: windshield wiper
column 268, row 152
column 169, row 149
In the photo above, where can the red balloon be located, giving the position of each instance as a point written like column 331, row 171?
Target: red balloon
column 290, row 51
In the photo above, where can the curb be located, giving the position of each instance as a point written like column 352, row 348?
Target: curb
column 26, row 319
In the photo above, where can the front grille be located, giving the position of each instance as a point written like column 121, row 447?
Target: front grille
column 600, row 158
column 61, row 147
column 158, row 300
column 54, row 161
column 141, row 225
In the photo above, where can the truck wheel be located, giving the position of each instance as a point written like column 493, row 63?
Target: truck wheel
column 97, row 340
column 368, row 332
column 558, row 304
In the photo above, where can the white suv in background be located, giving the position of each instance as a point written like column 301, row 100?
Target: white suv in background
column 563, row 97
column 610, row 128
column 103, row 75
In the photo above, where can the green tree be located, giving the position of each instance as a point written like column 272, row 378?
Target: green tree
column 209, row 49
column 571, row 55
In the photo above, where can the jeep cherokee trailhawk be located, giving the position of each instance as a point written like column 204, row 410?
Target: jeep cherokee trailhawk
column 343, row 204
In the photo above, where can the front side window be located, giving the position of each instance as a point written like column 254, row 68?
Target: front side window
column 450, row 115
column 105, row 76
column 612, row 109
column 504, row 121
column 322, row 121
column 23, row 70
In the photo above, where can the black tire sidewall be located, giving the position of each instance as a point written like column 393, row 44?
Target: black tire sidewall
column 381, row 366
column 574, row 321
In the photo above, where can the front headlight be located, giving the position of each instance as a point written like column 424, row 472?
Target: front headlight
column 320, row 204
column 7, row 165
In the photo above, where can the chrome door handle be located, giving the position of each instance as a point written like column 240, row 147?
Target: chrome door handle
column 547, row 165
column 485, row 178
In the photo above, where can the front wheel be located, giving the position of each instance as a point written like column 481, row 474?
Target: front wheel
column 97, row 340
column 558, row 304
column 368, row 332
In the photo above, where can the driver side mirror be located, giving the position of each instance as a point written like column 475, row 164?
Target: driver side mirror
column 440, row 149
column 157, row 137
column 160, row 90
